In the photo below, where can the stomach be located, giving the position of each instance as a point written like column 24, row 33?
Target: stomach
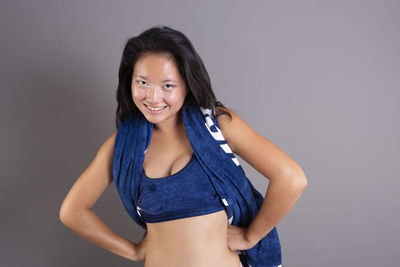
column 190, row 242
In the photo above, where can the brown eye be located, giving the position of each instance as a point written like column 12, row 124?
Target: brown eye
column 139, row 82
column 171, row 86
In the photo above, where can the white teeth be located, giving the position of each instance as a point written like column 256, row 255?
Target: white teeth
column 155, row 108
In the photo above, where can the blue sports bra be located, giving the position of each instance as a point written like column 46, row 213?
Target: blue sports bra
column 186, row 193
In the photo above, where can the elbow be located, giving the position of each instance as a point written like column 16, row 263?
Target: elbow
column 64, row 215
column 68, row 215
column 298, row 179
column 301, row 180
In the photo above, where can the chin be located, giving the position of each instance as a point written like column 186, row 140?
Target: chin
column 155, row 119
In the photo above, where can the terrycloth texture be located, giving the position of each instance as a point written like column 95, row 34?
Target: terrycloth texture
column 242, row 201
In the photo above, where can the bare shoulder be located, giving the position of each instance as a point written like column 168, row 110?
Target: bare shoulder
column 263, row 155
column 229, row 125
column 106, row 151
column 238, row 134
column 108, row 145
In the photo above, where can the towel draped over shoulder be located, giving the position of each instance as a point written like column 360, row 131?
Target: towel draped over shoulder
column 241, row 200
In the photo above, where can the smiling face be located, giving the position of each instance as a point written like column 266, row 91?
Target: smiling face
column 158, row 90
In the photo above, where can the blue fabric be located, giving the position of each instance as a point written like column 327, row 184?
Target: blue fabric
column 183, row 194
column 242, row 201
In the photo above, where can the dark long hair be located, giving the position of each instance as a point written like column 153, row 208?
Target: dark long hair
column 165, row 40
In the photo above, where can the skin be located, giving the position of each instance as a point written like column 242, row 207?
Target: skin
column 173, row 242
column 147, row 88
column 182, row 242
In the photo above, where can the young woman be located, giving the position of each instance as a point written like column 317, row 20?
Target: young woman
column 161, row 72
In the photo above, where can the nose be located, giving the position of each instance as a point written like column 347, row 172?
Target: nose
column 153, row 94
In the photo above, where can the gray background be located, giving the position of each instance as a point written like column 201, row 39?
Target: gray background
column 320, row 79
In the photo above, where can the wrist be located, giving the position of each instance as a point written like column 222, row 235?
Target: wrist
column 132, row 254
column 251, row 239
column 140, row 249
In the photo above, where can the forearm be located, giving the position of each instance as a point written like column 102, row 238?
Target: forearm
column 90, row 227
column 280, row 197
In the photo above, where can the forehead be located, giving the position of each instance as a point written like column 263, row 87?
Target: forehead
column 156, row 67
column 155, row 62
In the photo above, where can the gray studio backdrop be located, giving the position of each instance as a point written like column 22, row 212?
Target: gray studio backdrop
column 320, row 79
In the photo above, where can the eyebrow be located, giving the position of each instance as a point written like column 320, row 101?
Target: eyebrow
column 161, row 81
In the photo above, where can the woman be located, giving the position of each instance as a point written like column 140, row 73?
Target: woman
column 160, row 73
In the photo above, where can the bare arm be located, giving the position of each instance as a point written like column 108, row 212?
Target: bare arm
column 76, row 213
column 286, row 178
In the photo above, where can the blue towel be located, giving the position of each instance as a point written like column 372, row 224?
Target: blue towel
column 242, row 201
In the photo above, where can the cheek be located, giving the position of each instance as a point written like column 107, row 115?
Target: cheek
column 175, row 98
column 138, row 94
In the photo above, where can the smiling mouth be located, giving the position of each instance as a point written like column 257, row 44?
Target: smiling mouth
column 155, row 108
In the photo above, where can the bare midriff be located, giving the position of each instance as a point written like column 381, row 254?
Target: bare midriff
column 191, row 242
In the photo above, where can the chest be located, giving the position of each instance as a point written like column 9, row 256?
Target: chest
column 164, row 158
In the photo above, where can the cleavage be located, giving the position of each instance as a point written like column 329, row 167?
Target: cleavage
column 158, row 165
